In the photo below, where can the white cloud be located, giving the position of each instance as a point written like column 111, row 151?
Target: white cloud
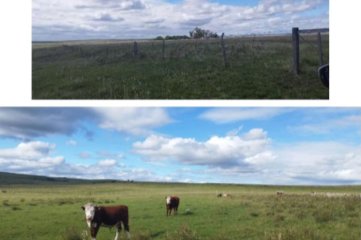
column 28, row 150
column 36, row 158
column 310, row 163
column 320, row 162
column 328, row 125
column 135, row 121
column 29, row 155
column 177, row 18
column 227, row 115
column 107, row 163
column 72, row 142
column 217, row 151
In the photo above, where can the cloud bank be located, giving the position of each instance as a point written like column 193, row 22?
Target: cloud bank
column 29, row 123
column 287, row 146
column 104, row 19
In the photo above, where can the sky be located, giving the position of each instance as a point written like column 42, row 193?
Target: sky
column 282, row 146
column 54, row 20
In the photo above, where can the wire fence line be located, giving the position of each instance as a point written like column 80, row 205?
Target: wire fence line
column 223, row 51
column 317, row 44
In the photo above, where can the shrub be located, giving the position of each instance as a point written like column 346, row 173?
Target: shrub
column 6, row 203
column 15, row 208
column 323, row 215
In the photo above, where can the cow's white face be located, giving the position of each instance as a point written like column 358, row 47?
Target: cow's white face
column 89, row 210
column 168, row 200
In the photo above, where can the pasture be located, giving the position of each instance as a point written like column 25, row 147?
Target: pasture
column 259, row 68
column 53, row 211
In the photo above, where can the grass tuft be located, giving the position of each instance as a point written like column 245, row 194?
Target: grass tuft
column 72, row 233
column 183, row 233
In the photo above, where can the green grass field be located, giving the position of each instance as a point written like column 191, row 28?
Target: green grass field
column 260, row 68
column 52, row 211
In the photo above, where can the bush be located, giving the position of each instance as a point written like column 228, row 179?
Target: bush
column 202, row 33
column 323, row 215
column 176, row 37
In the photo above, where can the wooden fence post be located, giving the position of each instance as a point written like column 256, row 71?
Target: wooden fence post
column 226, row 64
column 320, row 48
column 135, row 49
column 163, row 49
column 296, row 50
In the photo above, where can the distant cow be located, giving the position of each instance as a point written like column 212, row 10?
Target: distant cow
column 225, row 195
column 172, row 203
column 280, row 193
column 109, row 216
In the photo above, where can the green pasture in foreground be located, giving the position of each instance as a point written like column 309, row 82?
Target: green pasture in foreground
column 254, row 212
column 260, row 68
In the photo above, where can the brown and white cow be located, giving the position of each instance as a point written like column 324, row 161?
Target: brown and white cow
column 108, row 216
column 171, row 203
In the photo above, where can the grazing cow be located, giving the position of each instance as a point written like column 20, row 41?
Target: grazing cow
column 109, row 216
column 280, row 193
column 171, row 203
column 225, row 195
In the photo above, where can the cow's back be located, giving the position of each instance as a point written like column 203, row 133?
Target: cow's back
column 111, row 215
column 174, row 202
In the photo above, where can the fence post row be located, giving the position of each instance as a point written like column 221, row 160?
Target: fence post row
column 226, row 64
column 296, row 50
column 163, row 49
column 296, row 46
column 135, row 49
column 320, row 47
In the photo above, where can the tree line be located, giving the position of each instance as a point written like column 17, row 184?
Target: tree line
column 196, row 33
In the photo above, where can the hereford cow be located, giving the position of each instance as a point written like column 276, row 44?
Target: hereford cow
column 225, row 195
column 109, row 216
column 172, row 203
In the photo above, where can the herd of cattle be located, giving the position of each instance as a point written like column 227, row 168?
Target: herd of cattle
column 116, row 216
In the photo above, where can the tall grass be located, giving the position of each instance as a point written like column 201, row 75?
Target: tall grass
column 254, row 212
column 192, row 69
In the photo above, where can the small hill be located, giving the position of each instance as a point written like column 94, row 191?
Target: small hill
column 24, row 179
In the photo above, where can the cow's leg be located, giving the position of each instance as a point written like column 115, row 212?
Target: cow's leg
column 116, row 233
column 94, row 230
column 118, row 229
column 126, row 228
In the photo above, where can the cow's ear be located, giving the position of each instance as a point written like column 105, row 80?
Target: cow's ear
column 82, row 207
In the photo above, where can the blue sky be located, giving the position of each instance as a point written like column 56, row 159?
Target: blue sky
column 128, row 19
column 224, row 145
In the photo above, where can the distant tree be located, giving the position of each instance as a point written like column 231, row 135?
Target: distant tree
column 202, row 33
column 176, row 37
column 159, row 38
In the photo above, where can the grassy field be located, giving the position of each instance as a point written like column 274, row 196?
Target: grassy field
column 260, row 68
column 52, row 211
